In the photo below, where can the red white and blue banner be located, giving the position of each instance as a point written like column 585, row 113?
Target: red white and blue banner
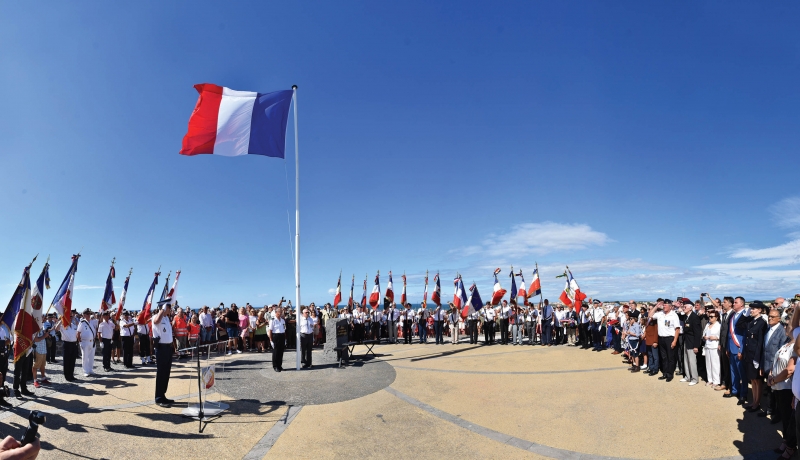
column 536, row 284
column 498, row 292
column 389, row 297
column 352, row 286
column 403, row 294
column 24, row 323
column 108, row 295
column 37, row 300
column 364, row 296
column 474, row 302
column 62, row 301
column 144, row 315
column 232, row 123
column 375, row 296
column 337, row 299
column 425, row 293
column 460, row 294
column 513, row 293
column 522, row 292
column 436, row 295
column 121, row 304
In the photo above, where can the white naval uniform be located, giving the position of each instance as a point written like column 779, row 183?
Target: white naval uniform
column 87, row 346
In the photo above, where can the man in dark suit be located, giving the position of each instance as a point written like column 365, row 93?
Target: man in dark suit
column 692, row 335
column 724, row 363
column 773, row 340
column 737, row 328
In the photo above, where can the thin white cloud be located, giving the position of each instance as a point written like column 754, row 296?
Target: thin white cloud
column 786, row 213
column 536, row 239
column 81, row 287
column 332, row 291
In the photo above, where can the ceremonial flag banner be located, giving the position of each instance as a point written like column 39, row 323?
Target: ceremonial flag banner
column 144, row 315
column 122, row 297
column 403, row 294
column 579, row 296
column 108, row 296
column 514, row 292
column 10, row 314
column 522, row 292
column 337, row 299
column 566, row 295
column 536, row 284
column 38, row 289
column 498, row 292
column 474, row 302
column 364, row 296
column 375, row 296
column 352, row 286
column 165, row 291
column 460, row 296
column 436, row 295
column 62, row 301
column 425, row 294
column 172, row 298
column 24, row 324
column 389, row 297
column 231, row 123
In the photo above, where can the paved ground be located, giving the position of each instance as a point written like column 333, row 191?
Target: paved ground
column 411, row 401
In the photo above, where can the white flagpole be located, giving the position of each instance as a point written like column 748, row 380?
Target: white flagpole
column 297, row 232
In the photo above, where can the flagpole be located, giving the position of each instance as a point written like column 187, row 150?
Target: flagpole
column 297, row 231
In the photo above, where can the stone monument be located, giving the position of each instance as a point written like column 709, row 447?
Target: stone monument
column 335, row 336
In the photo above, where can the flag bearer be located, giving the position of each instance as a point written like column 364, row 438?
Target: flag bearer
column 162, row 335
column 69, row 336
column 126, row 332
column 86, row 334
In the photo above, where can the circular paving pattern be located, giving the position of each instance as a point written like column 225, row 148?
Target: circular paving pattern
column 252, row 378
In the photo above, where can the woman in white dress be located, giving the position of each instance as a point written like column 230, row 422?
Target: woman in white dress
column 711, row 348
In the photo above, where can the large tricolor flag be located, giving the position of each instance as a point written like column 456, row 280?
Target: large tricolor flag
column 474, row 302
column 352, row 286
column 375, row 296
column 498, row 292
column 144, row 315
column 172, row 296
column 108, row 296
column 513, row 294
column 364, row 296
column 536, row 284
column 232, row 123
column 566, row 295
column 121, row 304
column 337, row 299
column 37, row 301
column 436, row 295
column 389, row 297
column 10, row 314
column 579, row 296
column 460, row 294
column 166, row 288
column 62, row 301
column 403, row 294
column 24, row 325
column 522, row 292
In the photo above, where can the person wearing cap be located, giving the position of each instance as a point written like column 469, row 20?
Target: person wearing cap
column 738, row 321
column 126, row 332
column 105, row 332
column 162, row 337
column 85, row 336
column 69, row 337
column 306, row 325
column 438, row 324
column 598, row 318
column 668, row 331
column 692, row 338
column 145, row 348
column 754, row 352
column 488, row 324
column 453, row 319
column 50, row 341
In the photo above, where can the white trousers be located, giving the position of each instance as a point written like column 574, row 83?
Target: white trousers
column 712, row 365
column 454, row 333
column 87, row 357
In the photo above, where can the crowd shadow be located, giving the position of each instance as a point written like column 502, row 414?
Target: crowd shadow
column 760, row 437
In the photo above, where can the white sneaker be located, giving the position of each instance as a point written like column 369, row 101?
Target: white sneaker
column 693, row 382
column 239, row 351
column 229, row 353
column 85, row 375
column 683, row 380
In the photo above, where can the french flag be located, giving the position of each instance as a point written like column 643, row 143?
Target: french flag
column 513, row 294
column 375, row 296
column 436, row 295
column 536, row 284
column 499, row 292
column 232, row 123
column 474, row 303
column 460, row 294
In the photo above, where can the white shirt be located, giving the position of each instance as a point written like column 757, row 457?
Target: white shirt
column 3, row 334
column 106, row 329
column 392, row 314
column 206, row 320
column 163, row 329
column 667, row 323
column 252, row 319
column 712, row 330
column 408, row 315
column 68, row 333
column 504, row 312
column 438, row 314
column 123, row 330
column 782, row 358
column 358, row 317
column 306, row 325
column 143, row 329
column 597, row 314
column 86, row 330
column 489, row 314
column 454, row 318
column 770, row 331
column 377, row 317
column 277, row 326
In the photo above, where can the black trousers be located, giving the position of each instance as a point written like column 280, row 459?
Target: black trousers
column 783, row 409
column 277, row 354
column 667, row 355
column 725, row 368
column 376, row 331
column 163, row 369
column 70, row 356
column 3, row 364
column 106, row 353
column 51, row 349
column 127, row 351
column 504, row 330
column 358, row 332
column 306, row 343
column 473, row 330
column 144, row 345
column 23, row 371
column 407, row 332
column 488, row 332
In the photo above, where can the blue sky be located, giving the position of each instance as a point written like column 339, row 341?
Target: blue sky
column 652, row 148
